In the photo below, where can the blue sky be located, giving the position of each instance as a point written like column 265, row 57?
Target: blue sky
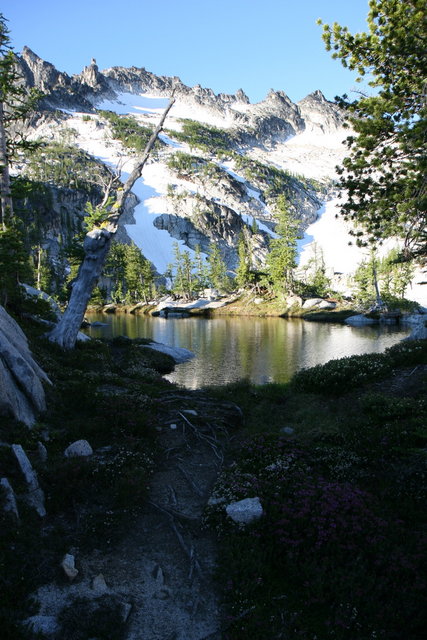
column 255, row 45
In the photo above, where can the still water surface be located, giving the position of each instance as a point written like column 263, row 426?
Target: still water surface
column 261, row 350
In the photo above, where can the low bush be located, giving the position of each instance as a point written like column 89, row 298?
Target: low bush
column 339, row 376
column 408, row 352
column 326, row 560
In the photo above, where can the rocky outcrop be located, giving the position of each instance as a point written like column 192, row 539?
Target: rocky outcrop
column 179, row 354
column 418, row 324
column 319, row 114
column 35, row 496
column 21, row 379
column 202, row 222
column 79, row 448
column 276, row 117
column 59, row 89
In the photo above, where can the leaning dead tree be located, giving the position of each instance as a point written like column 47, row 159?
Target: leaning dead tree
column 96, row 246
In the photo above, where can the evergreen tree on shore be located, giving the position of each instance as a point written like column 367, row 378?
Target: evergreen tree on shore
column 385, row 172
column 282, row 259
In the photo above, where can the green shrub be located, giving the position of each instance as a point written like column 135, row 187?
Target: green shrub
column 339, row 376
column 408, row 352
column 393, row 302
column 382, row 408
column 203, row 136
column 129, row 132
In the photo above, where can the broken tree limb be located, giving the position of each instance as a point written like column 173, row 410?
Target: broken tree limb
column 96, row 246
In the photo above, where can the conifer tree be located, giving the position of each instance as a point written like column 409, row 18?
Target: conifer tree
column 217, row 269
column 15, row 104
column 184, row 280
column 281, row 261
column 384, row 174
column 243, row 273
column 14, row 264
column 201, row 272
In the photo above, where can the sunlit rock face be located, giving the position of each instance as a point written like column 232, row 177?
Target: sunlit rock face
column 21, row 379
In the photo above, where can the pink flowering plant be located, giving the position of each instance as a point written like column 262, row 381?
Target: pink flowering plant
column 327, row 560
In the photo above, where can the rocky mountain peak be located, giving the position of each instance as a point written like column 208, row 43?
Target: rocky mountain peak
column 279, row 97
column 242, row 97
column 91, row 77
column 320, row 114
column 275, row 118
column 40, row 73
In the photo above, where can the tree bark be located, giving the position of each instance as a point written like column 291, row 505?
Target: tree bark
column 96, row 246
column 5, row 193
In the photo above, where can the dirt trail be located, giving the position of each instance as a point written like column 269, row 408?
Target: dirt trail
column 164, row 567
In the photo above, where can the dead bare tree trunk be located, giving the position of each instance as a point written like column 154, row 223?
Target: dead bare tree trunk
column 5, row 193
column 96, row 246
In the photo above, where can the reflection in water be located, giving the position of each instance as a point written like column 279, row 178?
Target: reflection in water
column 259, row 349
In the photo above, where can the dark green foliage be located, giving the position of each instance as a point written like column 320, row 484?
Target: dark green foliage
column 187, row 165
column 282, row 258
column 131, row 274
column 184, row 163
column 204, row 137
column 129, row 132
column 25, row 563
column 244, row 275
column 293, row 574
column 274, row 181
column 382, row 408
column 384, row 174
column 17, row 100
column 184, row 278
column 408, row 352
column 64, row 165
column 393, row 276
column 217, row 270
column 315, row 281
column 14, row 266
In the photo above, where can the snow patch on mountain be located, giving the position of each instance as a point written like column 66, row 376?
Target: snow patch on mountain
column 130, row 103
column 330, row 235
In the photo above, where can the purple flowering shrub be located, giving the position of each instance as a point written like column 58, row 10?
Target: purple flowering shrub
column 325, row 561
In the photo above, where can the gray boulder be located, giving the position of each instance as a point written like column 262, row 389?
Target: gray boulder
column 245, row 511
column 179, row 354
column 312, row 302
column 69, row 567
column 45, row 625
column 418, row 324
column 35, row 493
column 78, row 448
column 10, row 500
column 21, row 389
column 326, row 304
column 359, row 321
column 294, row 301
column 31, row 292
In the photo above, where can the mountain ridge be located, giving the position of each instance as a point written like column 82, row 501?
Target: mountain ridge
column 86, row 89
column 222, row 163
